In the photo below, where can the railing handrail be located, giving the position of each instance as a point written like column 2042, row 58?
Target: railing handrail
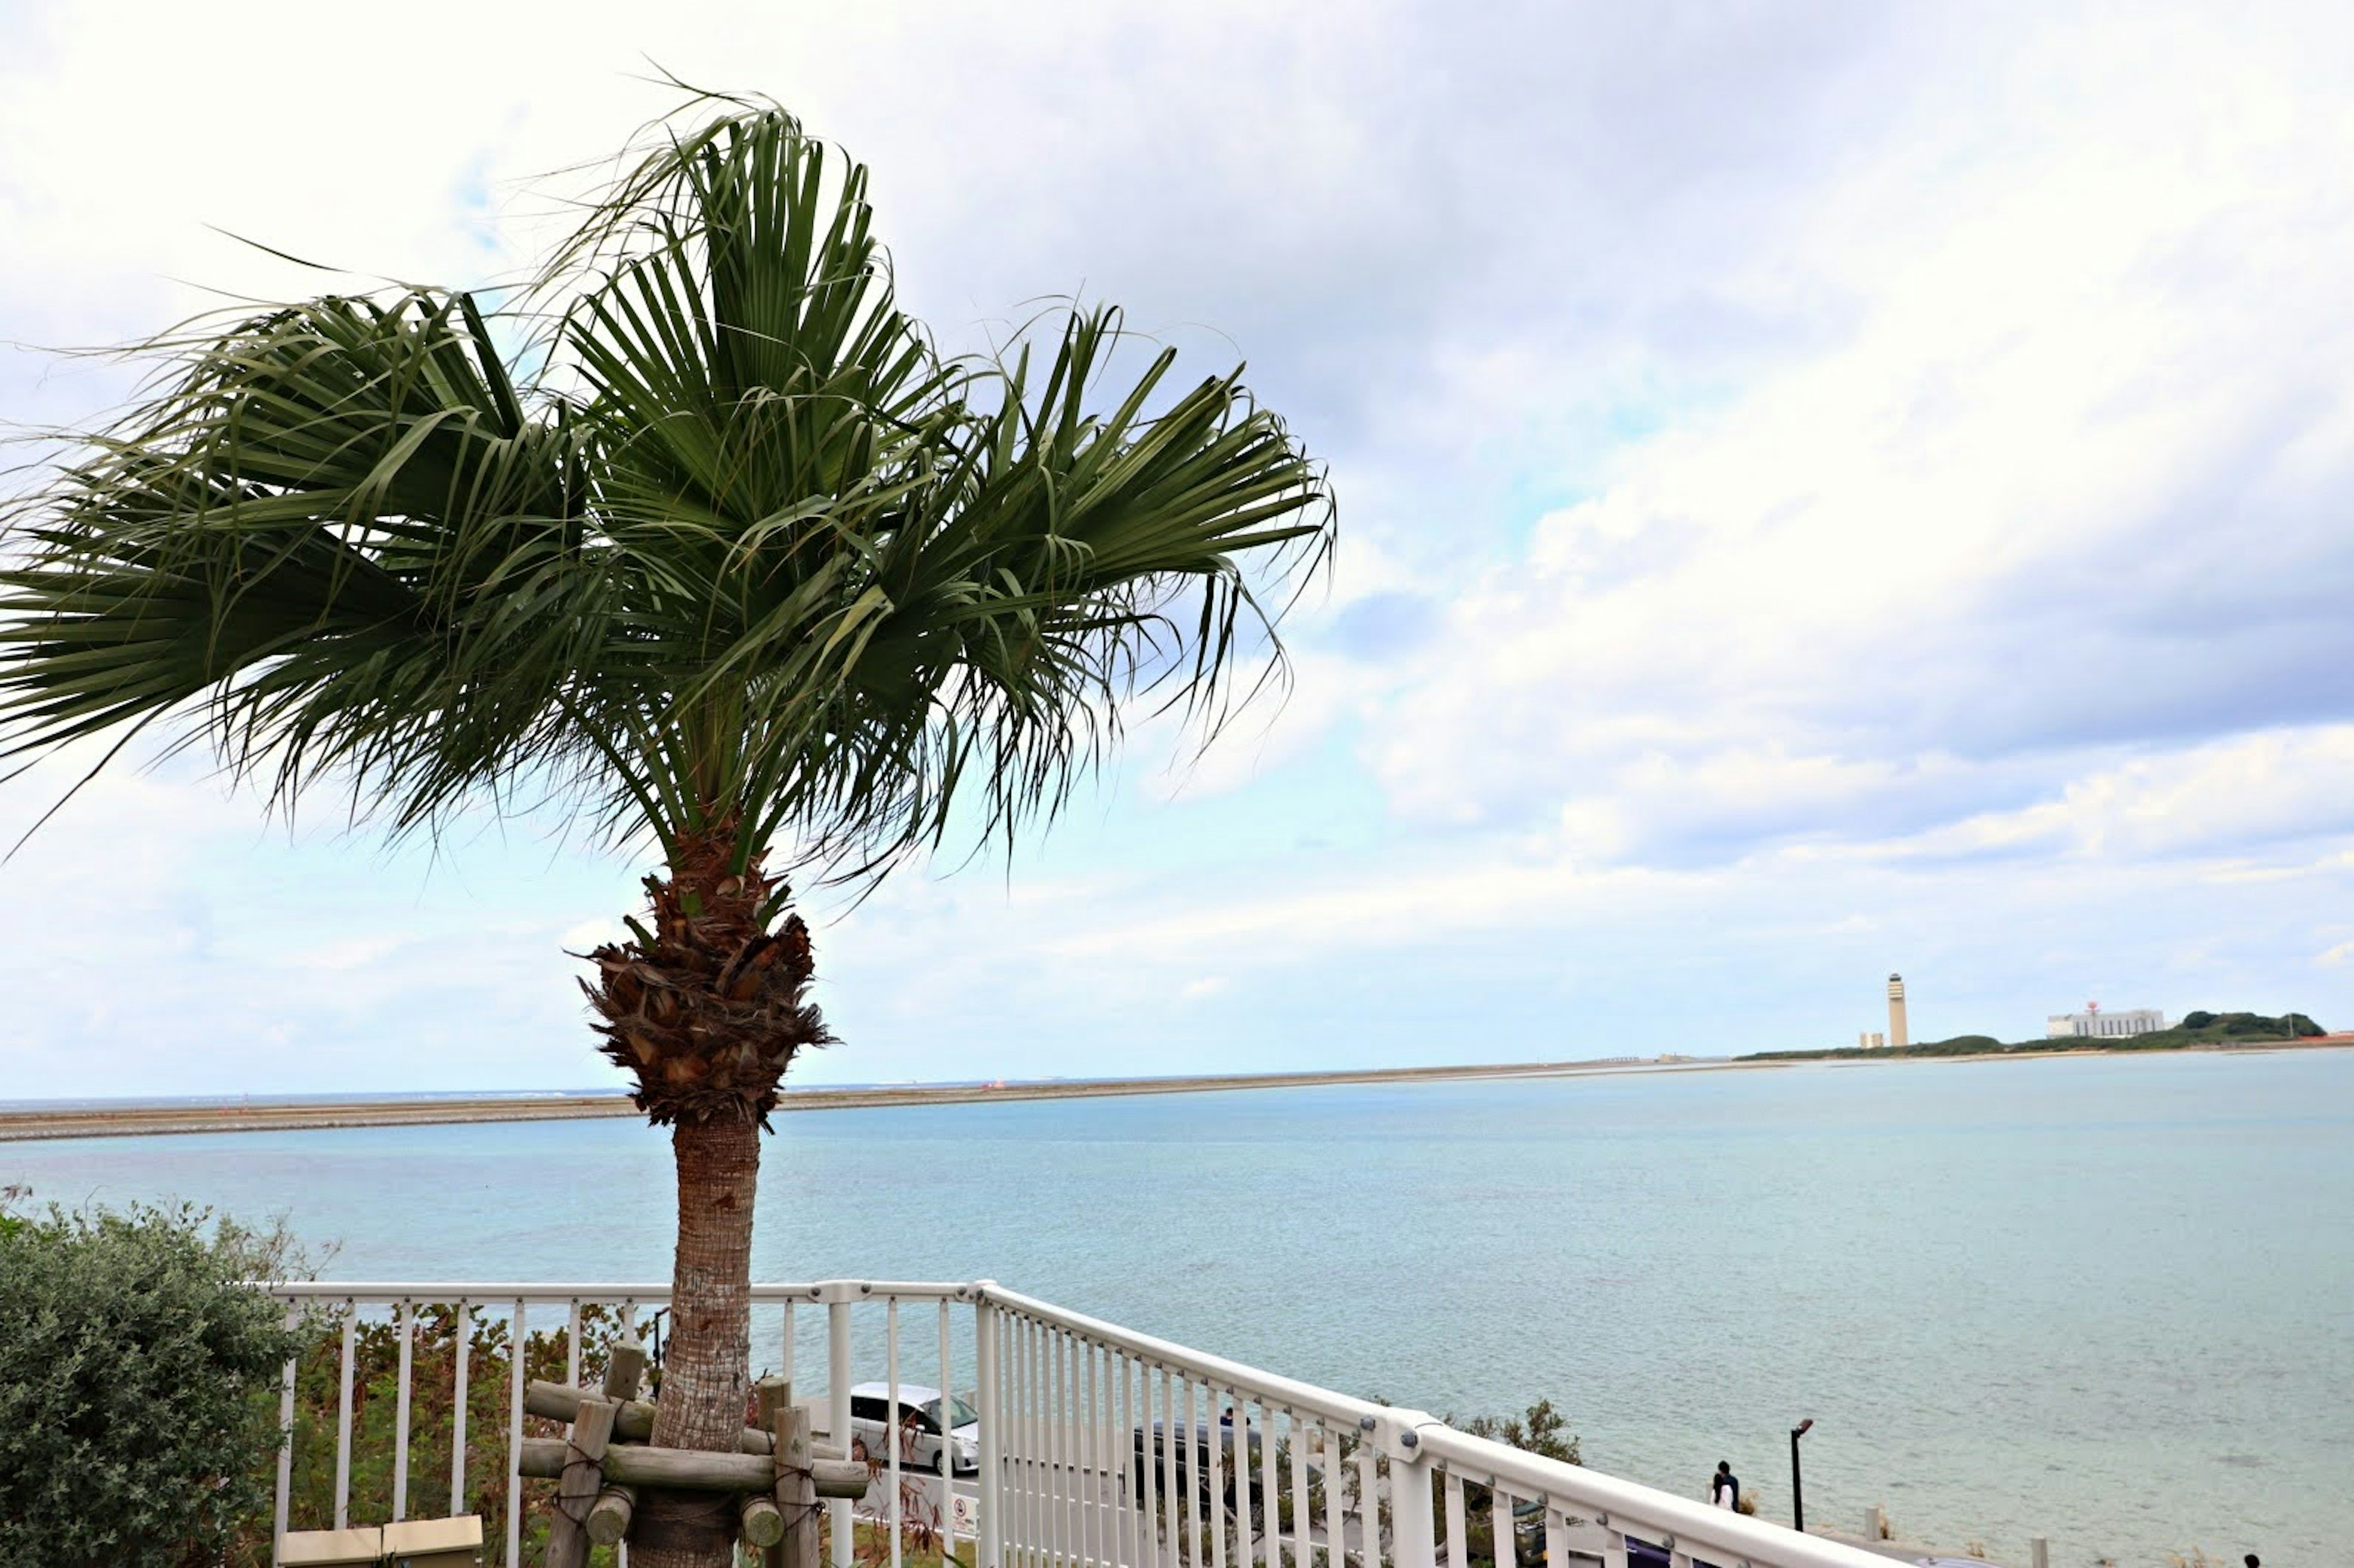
column 376, row 1292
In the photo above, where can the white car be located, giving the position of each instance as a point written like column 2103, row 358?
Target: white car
column 919, row 1418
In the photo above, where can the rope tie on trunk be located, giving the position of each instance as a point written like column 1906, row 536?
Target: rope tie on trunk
column 688, row 1520
column 577, row 1509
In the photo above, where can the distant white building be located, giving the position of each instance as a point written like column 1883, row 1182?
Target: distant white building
column 2094, row 1024
column 1871, row 1040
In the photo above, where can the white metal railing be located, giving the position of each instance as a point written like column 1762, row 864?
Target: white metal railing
column 1100, row 1446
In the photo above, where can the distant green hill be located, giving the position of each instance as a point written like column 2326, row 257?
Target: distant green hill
column 2196, row 1029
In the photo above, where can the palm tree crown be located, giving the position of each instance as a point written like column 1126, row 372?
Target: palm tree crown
column 742, row 546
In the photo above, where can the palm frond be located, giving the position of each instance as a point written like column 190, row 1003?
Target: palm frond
column 742, row 552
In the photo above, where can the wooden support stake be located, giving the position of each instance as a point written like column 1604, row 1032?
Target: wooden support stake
column 796, row 1491
column 625, row 1370
column 772, row 1397
column 763, row 1522
column 608, row 1517
column 577, row 1488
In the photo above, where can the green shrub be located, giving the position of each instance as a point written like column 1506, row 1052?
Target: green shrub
column 1542, row 1431
column 138, row 1384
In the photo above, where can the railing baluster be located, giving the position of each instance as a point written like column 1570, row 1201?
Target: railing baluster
column 1499, row 1517
column 1017, row 1432
column 1086, row 1536
column 1025, row 1429
column 1369, row 1502
column 948, row 1443
column 1073, row 1453
column 1215, row 1498
column 1065, row 1396
column 516, row 1341
column 400, row 1413
column 1335, row 1552
column 462, row 1331
column 1075, row 1449
column 1302, row 1515
column 629, row 1336
column 1270, row 1496
column 1457, row 1556
column 1033, row 1428
column 837, row 1396
column 1094, row 1511
column 1119, row 1445
column 343, row 1421
column 1112, row 1519
column 1158, row 1429
column 286, row 1432
column 1556, row 1536
column 787, row 1373
column 1009, row 1372
column 1117, row 1551
column 1044, row 1528
column 1196, row 1482
column 1239, row 1435
column 988, row 1548
column 1050, row 1424
column 572, row 1346
column 892, row 1435
column 1068, row 1454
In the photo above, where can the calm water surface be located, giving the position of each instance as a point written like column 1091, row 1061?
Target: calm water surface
column 2106, row 1300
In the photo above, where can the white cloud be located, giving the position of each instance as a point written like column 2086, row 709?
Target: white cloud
column 1823, row 490
column 2091, row 400
column 2222, row 797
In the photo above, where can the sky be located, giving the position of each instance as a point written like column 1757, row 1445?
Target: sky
column 1823, row 490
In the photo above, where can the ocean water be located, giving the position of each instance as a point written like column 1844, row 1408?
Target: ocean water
column 2107, row 1300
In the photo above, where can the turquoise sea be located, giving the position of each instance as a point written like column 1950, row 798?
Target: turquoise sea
column 2108, row 1300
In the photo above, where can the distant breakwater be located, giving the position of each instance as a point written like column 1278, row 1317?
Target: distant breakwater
column 87, row 1120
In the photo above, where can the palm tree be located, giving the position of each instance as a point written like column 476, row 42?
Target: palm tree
column 700, row 535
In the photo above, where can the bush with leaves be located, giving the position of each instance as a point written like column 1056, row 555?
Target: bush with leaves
column 1541, row 1430
column 138, row 1384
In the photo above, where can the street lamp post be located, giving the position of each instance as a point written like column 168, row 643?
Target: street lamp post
column 1798, row 1498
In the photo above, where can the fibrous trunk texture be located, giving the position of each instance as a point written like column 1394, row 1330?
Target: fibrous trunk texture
column 706, row 1010
column 705, row 1381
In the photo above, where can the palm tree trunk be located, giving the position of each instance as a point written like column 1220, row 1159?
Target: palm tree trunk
column 706, row 1375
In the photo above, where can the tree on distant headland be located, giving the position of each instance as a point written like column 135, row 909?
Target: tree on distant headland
column 701, row 534
column 2195, row 1028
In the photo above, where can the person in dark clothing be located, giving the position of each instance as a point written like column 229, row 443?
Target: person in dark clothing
column 2251, row 1561
column 1723, row 1491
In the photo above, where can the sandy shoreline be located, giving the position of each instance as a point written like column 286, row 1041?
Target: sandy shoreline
column 125, row 1121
